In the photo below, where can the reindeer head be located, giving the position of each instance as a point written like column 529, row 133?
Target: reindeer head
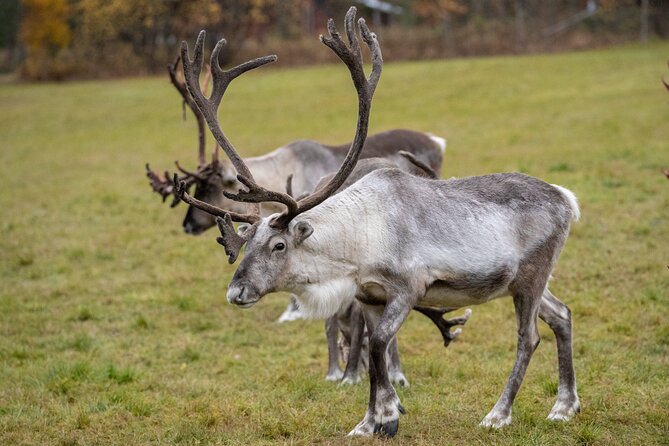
column 275, row 246
column 211, row 182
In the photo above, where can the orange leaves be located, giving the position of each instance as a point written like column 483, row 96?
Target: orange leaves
column 45, row 24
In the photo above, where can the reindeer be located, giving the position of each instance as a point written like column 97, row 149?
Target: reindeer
column 393, row 241
column 349, row 321
column 305, row 161
column 422, row 155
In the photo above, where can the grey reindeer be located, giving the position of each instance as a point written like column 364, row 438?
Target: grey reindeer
column 421, row 154
column 305, row 161
column 393, row 241
column 349, row 320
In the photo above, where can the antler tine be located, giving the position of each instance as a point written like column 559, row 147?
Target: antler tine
column 209, row 108
column 349, row 27
column 183, row 90
column 258, row 194
column 188, row 173
column 230, row 240
column 163, row 187
column 214, row 154
column 220, row 79
column 180, row 191
column 352, row 58
column 289, row 185
column 207, row 78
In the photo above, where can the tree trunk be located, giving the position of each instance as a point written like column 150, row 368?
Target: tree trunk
column 643, row 34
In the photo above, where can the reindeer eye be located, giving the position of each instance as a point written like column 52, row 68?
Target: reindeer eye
column 279, row 247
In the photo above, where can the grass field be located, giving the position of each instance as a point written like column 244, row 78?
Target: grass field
column 114, row 327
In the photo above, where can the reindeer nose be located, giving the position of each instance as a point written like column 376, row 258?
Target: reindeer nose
column 191, row 228
column 240, row 297
column 236, row 294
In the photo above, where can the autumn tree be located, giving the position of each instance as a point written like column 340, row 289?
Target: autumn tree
column 45, row 33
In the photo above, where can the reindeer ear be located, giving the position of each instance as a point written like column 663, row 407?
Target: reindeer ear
column 228, row 173
column 301, row 231
column 242, row 228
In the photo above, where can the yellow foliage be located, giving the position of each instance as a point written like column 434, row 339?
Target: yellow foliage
column 45, row 24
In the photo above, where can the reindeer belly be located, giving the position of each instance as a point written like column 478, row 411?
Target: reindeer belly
column 459, row 290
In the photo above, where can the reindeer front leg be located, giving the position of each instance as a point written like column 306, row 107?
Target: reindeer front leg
column 384, row 406
column 354, row 361
column 331, row 331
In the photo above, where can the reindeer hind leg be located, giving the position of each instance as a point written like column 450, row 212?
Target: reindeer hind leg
column 527, row 307
column 558, row 317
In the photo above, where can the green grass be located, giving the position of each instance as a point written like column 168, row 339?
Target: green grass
column 113, row 323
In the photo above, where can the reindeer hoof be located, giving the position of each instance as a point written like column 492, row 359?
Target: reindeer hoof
column 564, row 411
column 389, row 429
column 365, row 428
column 350, row 380
column 334, row 376
column 496, row 420
column 399, row 379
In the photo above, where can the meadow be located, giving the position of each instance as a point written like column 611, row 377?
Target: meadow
column 114, row 328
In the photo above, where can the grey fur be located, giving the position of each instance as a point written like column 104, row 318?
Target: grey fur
column 309, row 162
column 404, row 241
column 349, row 320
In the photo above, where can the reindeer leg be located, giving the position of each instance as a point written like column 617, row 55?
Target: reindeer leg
column 558, row 316
column 394, row 365
column 444, row 325
column 292, row 311
column 357, row 323
column 384, row 405
column 331, row 331
column 526, row 304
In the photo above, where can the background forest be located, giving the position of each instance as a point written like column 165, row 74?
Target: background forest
column 59, row 39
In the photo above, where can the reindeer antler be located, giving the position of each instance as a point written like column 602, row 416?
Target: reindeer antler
column 181, row 192
column 365, row 87
column 187, row 100
column 165, row 186
column 351, row 56
column 230, row 240
column 220, row 81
